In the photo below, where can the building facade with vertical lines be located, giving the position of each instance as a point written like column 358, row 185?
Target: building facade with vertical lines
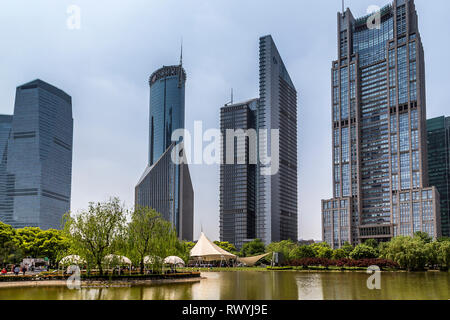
column 380, row 174
column 439, row 165
column 36, row 157
column 277, row 200
column 238, row 180
column 164, row 185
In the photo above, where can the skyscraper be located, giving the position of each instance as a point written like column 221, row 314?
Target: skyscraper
column 257, row 201
column 439, row 165
column 36, row 162
column 238, row 180
column 380, row 174
column 277, row 216
column 165, row 186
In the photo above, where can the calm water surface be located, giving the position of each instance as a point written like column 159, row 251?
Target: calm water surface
column 254, row 285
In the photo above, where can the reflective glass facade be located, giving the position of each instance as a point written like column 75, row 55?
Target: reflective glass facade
column 238, row 181
column 439, row 165
column 164, row 186
column 277, row 216
column 378, row 122
column 37, row 161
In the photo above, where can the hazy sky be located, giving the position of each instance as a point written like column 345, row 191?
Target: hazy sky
column 105, row 67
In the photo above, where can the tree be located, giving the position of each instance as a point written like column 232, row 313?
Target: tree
column 39, row 243
column 284, row 247
column 339, row 254
column 301, row 252
column 371, row 243
column 443, row 254
column 322, row 250
column 97, row 232
column 150, row 235
column 409, row 253
column 9, row 249
column 348, row 248
column 253, row 248
column 227, row 246
column 425, row 237
column 363, row 251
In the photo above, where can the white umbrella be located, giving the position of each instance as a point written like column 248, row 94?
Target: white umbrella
column 115, row 258
column 73, row 259
column 174, row 260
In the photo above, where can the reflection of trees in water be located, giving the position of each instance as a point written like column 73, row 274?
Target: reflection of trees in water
column 254, row 285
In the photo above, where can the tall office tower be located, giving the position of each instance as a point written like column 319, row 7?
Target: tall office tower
column 238, row 179
column 276, row 217
column 36, row 163
column 5, row 201
column 380, row 174
column 439, row 165
column 165, row 186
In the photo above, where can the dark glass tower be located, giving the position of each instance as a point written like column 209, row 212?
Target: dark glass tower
column 238, row 180
column 36, row 163
column 380, row 174
column 439, row 165
column 277, row 216
column 164, row 186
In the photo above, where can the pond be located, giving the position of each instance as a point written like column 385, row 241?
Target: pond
column 261, row 285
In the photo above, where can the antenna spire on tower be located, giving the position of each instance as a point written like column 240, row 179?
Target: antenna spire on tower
column 180, row 76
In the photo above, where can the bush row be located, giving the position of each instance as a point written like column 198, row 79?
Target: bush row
column 362, row 263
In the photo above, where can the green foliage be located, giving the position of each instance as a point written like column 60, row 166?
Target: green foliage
column 301, row 252
column 322, row 250
column 409, row 253
column 423, row 236
column 348, row 248
column 339, row 254
column 38, row 243
column 97, row 232
column 371, row 243
column 225, row 245
column 253, row 248
column 10, row 251
column 284, row 247
column 148, row 234
column 443, row 254
column 363, row 251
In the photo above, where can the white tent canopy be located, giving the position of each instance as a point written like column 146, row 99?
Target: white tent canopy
column 174, row 260
column 206, row 250
column 251, row 261
column 73, row 259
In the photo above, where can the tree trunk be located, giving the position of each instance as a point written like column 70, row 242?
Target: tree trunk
column 142, row 266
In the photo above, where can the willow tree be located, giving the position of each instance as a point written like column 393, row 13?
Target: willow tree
column 96, row 232
column 148, row 234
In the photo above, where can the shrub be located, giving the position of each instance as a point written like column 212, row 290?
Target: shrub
column 363, row 251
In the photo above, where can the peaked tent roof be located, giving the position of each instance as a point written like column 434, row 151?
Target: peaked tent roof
column 206, row 250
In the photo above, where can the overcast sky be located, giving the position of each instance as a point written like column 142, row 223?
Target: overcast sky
column 105, row 67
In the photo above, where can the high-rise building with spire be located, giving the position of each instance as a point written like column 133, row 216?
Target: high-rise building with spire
column 164, row 185
column 380, row 173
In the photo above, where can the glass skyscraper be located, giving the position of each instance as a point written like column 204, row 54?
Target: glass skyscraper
column 252, row 203
column 439, row 165
column 165, row 186
column 380, row 174
column 36, row 157
column 238, row 180
column 277, row 216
